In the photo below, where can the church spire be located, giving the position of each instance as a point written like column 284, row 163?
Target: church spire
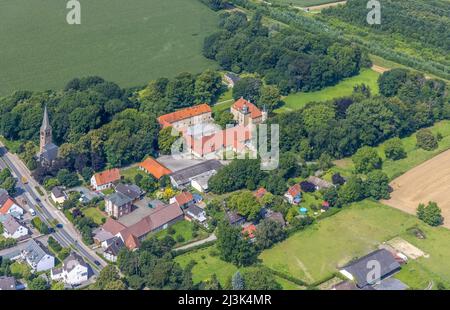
column 45, row 122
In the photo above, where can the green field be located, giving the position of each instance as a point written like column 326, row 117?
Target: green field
column 316, row 253
column 95, row 214
column 415, row 155
column 184, row 229
column 125, row 42
column 345, row 88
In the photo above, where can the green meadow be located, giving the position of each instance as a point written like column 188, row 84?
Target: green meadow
column 128, row 42
column 345, row 88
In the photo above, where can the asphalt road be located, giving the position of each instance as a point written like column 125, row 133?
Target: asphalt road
column 67, row 236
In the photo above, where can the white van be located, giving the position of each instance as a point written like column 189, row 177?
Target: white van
column 32, row 212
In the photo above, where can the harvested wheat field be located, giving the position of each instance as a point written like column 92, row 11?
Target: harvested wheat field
column 429, row 181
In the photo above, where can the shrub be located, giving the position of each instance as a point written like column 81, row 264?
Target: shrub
column 394, row 150
column 179, row 238
column 426, row 140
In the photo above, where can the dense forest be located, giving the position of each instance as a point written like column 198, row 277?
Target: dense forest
column 98, row 124
column 408, row 101
column 412, row 32
column 290, row 59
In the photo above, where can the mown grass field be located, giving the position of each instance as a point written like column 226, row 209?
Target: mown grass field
column 345, row 88
column 95, row 214
column 316, row 253
column 126, row 42
column 415, row 155
column 183, row 229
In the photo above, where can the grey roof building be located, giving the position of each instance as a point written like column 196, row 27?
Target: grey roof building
column 37, row 258
column 359, row 270
column 8, row 284
column 118, row 199
column 183, row 177
column 130, row 190
column 48, row 151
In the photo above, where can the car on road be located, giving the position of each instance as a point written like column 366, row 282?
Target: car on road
column 24, row 180
column 59, row 225
column 97, row 262
column 32, row 212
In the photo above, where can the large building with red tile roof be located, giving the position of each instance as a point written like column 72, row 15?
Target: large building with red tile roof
column 105, row 179
column 246, row 113
column 155, row 168
column 184, row 118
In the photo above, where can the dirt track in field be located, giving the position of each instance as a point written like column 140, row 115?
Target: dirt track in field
column 324, row 6
column 429, row 181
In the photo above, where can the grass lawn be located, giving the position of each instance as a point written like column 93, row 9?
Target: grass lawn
column 225, row 101
column 315, row 253
column 131, row 172
column 95, row 214
column 184, row 229
column 415, row 155
column 207, row 265
column 12, row 146
column 345, row 88
column 125, row 42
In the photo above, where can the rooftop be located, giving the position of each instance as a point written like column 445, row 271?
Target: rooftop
column 185, row 175
column 130, row 190
column 155, row 168
column 242, row 105
column 168, row 119
column 108, row 176
column 118, row 199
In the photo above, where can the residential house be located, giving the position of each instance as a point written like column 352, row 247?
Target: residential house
column 9, row 206
column 195, row 213
column 106, row 179
column 184, row 118
column 12, row 228
column 358, row 270
column 161, row 217
column 130, row 190
column 235, row 218
column 273, row 216
column 36, row 257
column 320, row 183
column 155, row 168
column 202, row 171
column 293, row 194
column 260, row 192
column 74, row 271
column 249, row 231
column 112, row 251
column 118, row 204
column 8, row 283
column 58, row 195
column 183, row 200
column 246, row 113
column 231, row 79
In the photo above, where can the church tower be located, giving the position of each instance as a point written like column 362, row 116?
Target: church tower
column 45, row 132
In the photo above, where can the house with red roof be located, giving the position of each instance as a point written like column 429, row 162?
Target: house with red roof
column 184, row 118
column 260, row 192
column 293, row 194
column 249, row 231
column 246, row 113
column 155, row 168
column 183, row 200
column 106, row 179
column 8, row 205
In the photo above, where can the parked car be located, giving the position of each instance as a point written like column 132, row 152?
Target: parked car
column 32, row 212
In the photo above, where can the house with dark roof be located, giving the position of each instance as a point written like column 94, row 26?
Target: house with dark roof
column 58, row 195
column 235, row 218
column 118, row 204
column 8, row 283
column 37, row 257
column 132, row 191
column 182, row 178
column 74, row 271
column 320, row 183
column 363, row 271
column 112, row 251
column 195, row 213
column 12, row 228
column 273, row 216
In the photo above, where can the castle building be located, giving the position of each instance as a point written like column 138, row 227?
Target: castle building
column 246, row 113
column 48, row 151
